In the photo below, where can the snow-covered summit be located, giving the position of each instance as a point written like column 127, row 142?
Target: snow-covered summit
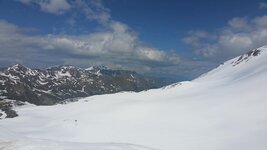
column 17, row 67
column 240, row 67
column 101, row 67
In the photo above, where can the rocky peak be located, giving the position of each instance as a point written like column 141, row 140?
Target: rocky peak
column 18, row 67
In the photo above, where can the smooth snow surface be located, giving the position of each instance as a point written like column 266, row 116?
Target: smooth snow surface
column 48, row 145
column 225, row 109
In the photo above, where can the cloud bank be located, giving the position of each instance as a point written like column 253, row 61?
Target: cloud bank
column 115, row 45
column 238, row 36
column 117, row 48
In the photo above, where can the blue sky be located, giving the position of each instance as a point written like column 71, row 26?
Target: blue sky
column 179, row 39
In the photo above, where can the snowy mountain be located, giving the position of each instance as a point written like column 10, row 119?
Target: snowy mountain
column 224, row 109
column 55, row 84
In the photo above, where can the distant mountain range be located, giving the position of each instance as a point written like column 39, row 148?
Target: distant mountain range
column 58, row 84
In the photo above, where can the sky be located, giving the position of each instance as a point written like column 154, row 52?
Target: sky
column 172, row 38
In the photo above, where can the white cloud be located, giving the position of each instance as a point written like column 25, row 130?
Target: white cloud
column 117, row 42
column 50, row 6
column 237, row 37
column 263, row 5
column 117, row 47
column 195, row 38
column 260, row 21
column 93, row 10
column 7, row 28
column 239, row 24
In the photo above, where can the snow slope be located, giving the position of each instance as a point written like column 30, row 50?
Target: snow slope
column 225, row 109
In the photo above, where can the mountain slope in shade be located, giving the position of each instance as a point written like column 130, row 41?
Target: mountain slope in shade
column 225, row 109
column 56, row 84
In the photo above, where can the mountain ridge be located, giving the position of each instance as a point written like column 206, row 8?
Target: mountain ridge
column 57, row 83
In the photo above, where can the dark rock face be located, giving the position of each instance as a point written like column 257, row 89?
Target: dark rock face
column 247, row 56
column 56, row 84
column 6, row 108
